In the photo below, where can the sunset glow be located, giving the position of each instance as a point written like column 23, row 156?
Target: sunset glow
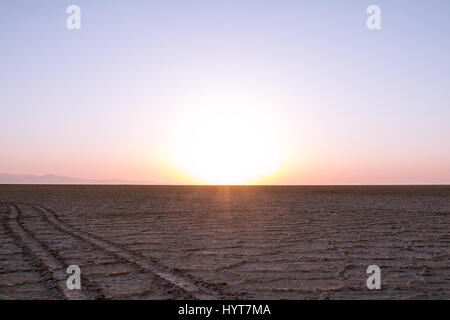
column 226, row 141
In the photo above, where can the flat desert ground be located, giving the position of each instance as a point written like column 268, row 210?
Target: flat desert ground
column 186, row 242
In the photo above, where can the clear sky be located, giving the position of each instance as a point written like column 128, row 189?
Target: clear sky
column 196, row 91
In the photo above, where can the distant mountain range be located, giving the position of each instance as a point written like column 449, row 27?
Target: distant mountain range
column 53, row 179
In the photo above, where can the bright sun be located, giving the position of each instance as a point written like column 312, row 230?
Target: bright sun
column 227, row 143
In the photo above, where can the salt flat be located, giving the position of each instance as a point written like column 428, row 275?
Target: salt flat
column 184, row 242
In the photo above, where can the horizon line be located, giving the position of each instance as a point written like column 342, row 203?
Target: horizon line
column 228, row 185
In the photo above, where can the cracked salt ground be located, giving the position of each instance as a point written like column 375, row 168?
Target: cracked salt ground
column 224, row 242
column 56, row 246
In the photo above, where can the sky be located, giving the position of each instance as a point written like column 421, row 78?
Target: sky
column 249, row 91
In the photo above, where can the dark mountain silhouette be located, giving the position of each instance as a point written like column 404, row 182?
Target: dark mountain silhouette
column 54, row 179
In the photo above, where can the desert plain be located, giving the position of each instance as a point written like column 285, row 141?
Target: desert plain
column 224, row 242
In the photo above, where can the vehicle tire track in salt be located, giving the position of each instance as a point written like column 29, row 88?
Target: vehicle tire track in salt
column 63, row 246
column 22, row 276
column 54, row 267
column 194, row 290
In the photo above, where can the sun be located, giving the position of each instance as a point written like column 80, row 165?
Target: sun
column 226, row 143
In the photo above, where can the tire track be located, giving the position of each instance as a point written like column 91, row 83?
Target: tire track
column 54, row 267
column 22, row 276
column 98, row 284
column 195, row 290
